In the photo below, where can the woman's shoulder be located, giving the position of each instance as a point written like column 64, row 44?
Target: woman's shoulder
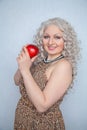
column 64, row 61
column 63, row 64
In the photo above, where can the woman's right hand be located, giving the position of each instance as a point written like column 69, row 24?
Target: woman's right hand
column 24, row 61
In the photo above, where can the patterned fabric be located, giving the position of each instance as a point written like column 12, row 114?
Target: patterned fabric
column 26, row 115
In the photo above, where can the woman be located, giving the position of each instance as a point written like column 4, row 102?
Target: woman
column 45, row 79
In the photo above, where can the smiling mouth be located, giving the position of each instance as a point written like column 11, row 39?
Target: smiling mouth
column 52, row 47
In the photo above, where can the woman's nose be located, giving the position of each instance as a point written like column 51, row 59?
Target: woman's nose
column 50, row 41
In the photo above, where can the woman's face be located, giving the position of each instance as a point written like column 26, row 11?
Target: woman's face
column 53, row 42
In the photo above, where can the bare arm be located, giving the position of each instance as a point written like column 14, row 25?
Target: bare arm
column 57, row 85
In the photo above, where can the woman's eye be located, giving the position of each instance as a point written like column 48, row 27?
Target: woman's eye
column 57, row 37
column 46, row 37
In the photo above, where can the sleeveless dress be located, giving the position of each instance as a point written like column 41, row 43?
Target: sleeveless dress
column 26, row 115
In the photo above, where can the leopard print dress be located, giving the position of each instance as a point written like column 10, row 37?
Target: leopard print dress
column 26, row 115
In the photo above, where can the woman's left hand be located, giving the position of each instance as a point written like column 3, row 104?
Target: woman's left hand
column 24, row 61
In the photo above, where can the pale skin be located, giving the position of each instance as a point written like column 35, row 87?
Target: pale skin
column 59, row 74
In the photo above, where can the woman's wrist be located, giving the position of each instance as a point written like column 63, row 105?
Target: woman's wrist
column 25, row 74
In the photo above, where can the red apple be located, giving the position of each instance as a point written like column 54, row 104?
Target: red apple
column 32, row 50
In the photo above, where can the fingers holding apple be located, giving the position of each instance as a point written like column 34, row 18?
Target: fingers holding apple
column 30, row 50
column 24, row 61
column 27, row 55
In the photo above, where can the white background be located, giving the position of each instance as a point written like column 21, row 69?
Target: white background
column 19, row 20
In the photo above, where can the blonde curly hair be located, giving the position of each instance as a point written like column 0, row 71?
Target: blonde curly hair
column 71, row 43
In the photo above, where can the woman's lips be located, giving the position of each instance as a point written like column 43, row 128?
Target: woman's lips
column 51, row 47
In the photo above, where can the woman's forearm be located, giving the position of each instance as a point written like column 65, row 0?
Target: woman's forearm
column 34, row 92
